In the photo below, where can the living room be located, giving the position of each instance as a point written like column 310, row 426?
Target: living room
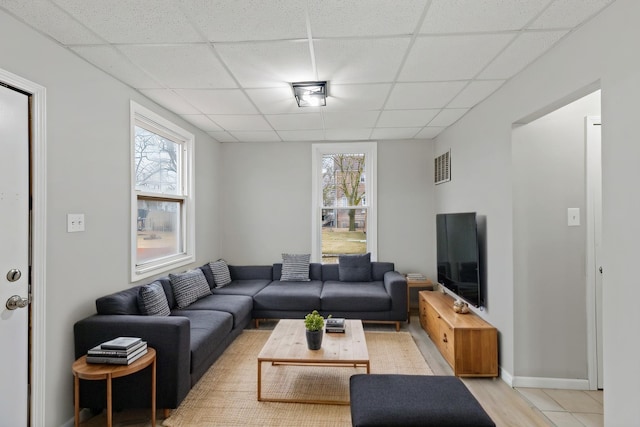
column 250, row 211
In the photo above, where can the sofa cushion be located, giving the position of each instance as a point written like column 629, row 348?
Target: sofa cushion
column 315, row 271
column 209, row 330
column 295, row 267
column 220, row 271
column 298, row 296
column 354, row 296
column 188, row 287
column 122, row 302
column 242, row 287
column 152, row 300
column 239, row 306
column 355, row 268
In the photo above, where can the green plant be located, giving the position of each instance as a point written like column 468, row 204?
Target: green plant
column 314, row 321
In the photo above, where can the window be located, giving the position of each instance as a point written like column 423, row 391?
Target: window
column 344, row 194
column 162, row 203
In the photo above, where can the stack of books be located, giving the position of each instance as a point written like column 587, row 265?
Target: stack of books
column 118, row 351
column 416, row 276
column 335, row 324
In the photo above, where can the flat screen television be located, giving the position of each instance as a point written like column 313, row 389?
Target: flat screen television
column 458, row 253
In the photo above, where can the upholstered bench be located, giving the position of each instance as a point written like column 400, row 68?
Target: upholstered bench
column 414, row 400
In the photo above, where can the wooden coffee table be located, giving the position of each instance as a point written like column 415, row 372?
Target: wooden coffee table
column 287, row 345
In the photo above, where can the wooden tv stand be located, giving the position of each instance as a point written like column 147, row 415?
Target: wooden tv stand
column 468, row 343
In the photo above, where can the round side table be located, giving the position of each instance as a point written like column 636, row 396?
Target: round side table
column 94, row 371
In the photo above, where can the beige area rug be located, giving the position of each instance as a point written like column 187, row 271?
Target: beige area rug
column 227, row 394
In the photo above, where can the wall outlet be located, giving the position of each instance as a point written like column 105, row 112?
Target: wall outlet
column 75, row 223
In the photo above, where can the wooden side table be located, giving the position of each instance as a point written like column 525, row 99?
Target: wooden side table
column 413, row 283
column 92, row 371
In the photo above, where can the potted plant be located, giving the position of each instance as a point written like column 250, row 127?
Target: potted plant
column 314, row 323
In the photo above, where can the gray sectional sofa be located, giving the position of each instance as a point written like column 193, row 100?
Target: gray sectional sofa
column 189, row 339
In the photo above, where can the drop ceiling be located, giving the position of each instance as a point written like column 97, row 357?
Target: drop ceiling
column 397, row 69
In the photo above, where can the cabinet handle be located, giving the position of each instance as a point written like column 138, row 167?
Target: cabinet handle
column 444, row 338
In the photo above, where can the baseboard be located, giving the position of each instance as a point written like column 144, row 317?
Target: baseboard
column 561, row 383
column 506, row 377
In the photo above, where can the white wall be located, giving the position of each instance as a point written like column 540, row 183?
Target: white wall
column 549, row 176
column 88, row 159
column 602, row 50
column 267, row 203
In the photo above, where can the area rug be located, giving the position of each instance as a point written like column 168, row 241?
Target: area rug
column 227, row 394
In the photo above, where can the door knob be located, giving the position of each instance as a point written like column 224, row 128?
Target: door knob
column 16, row 301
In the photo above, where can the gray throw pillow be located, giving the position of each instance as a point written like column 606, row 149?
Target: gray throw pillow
column 152, row 300
column 221, row 275
column 354, row 268
column 295, row 268
column 189, row 287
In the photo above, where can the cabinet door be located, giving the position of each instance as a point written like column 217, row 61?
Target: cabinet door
column 447, row 344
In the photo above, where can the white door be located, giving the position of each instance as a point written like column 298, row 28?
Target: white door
column 14, row 256
column 594, row 241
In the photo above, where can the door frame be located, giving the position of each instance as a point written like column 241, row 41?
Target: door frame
column 593, row 172
column 38, row 171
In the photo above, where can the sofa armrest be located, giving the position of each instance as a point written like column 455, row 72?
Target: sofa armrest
column 171, row 338
column 396, row 286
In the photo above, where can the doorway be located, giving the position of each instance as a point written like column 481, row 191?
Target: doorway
column 34, row 114
column 553, row 217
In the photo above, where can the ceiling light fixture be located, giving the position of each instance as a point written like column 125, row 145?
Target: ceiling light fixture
column 310, row 94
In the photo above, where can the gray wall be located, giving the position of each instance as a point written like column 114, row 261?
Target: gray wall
column 266, row 203
column 601, row 50
column 88, row 159
column 549, row 256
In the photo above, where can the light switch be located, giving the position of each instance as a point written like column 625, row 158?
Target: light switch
column 75, row 223
column 573, row 217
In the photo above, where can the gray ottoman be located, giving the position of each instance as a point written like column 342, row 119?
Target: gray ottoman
column 414, row 400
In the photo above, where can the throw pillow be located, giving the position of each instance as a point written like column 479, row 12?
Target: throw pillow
column 189, row 287
column 354, row 268
column 221, row 275
column 295, row 268
column 152, row 300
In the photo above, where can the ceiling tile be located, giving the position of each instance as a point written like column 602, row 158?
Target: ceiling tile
column 429, row 132
column 116, row 64
column 218, row 101
column 181, row 66
column 268, row 64
column 51, row 20
column 347, row 134
column 406, row 118
column 296, row 121
column 408, row 96
column 359, row 60
column 394, row 133
column 475, row 92
column 222, row 136
column 359, row 97
column 301, row 135
column 241, row 122
column 468, row 16
column 237, row 20
column 256, row 136
column 170, row 100
column 350, row 119
column 448, row 116
column 339, row 18
column 141, row 21
column 201, row 121
column 455, row 57
column 527, row 47
column 568, row 13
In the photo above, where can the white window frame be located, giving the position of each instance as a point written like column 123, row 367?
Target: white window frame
column 370, row 150
column 143, row 117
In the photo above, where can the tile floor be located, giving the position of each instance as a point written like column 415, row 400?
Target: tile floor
column 567, row 408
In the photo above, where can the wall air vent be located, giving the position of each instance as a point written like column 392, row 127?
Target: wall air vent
column 442, row 168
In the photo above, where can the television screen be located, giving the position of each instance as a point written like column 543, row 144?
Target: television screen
column 458, row 255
